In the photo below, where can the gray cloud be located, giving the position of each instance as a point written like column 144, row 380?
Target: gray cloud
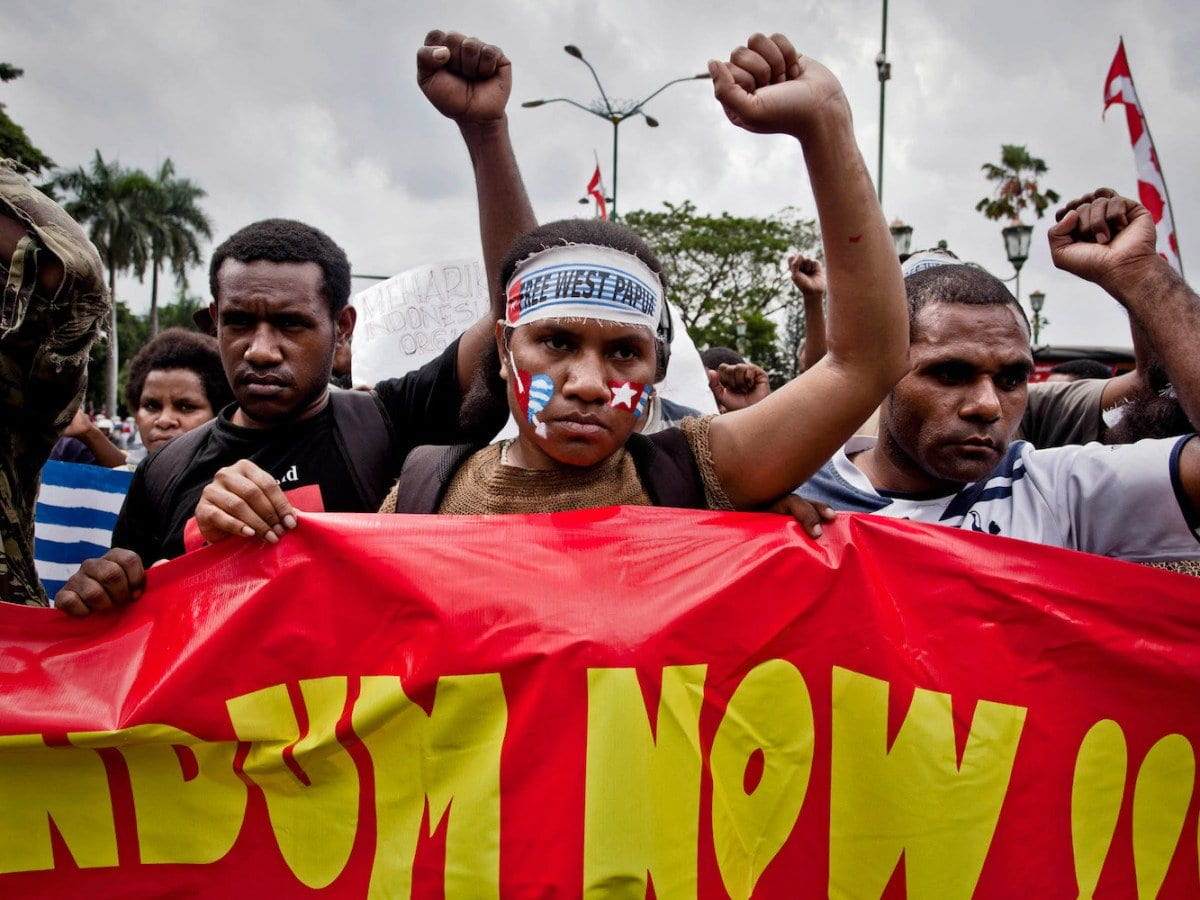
column 312, row 111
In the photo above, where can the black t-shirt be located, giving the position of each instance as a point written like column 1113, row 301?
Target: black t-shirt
column 423, row 407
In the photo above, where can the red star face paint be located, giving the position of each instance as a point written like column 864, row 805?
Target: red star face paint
column 631, row 395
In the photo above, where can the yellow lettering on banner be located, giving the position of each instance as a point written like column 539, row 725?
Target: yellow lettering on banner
column 1161, row 796
column 178, row 820
column 1097, row 791
column 314, row 823
column 642, row 801
column 450, row 759
column 769, row 712
column 64, row 785
column 915, row 799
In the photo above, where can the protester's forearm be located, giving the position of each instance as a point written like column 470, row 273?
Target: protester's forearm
column 505, row 212
column 867, row 319
column 808, row 419
column 1167, row 312
column 106, row 452
column 814, row 331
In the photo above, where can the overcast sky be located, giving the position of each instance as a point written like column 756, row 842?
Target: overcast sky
column 312, row 111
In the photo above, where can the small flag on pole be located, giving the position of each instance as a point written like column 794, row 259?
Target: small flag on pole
column 596, row 189
column 1152, row 188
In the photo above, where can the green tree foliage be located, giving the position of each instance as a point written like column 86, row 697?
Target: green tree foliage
column 177, row 225
column 1016, row 180
column 116, row 205
column 14, row 143
column 725, row 269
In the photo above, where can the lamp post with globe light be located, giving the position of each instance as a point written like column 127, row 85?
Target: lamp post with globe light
column 901, row 238
column 1016, row 246
column 1037, row 299
column 611, row 110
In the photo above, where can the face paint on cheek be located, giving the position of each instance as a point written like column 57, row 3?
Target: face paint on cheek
column 541, row 389
column 533, row 393
column 631, row 395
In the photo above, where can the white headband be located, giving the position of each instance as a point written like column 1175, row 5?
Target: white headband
column 584, row 281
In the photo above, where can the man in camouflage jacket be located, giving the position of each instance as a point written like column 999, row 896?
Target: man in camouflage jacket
column 51, row 308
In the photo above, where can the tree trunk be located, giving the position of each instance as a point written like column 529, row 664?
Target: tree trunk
column 154, row 300
column 110, row 404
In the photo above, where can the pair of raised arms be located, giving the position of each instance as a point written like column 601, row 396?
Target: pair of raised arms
column 765, row 87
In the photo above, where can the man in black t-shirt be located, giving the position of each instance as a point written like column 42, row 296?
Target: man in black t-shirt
column 280, row 306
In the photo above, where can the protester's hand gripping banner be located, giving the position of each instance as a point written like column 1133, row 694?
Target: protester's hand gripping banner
column 583, row 704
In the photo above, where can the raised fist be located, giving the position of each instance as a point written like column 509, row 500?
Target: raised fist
column 738, row 386
column 769, row 88
column 807, row 274
column 465, row 79
column 1104, row 238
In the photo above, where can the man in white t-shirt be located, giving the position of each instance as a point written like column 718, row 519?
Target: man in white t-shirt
column 945, row 453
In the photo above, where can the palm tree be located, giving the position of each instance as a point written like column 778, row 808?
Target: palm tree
column 115, row 204
column 1016, row 185
column 176, row 228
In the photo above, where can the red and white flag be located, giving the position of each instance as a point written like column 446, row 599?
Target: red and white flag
column 1152, row 188
column 596, row 189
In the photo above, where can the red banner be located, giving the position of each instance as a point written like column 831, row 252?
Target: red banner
column 591, row 703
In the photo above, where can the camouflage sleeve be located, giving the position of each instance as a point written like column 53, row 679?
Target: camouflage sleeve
column 45, row 337
column 44, row 340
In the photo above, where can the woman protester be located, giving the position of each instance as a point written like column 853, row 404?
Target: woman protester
column 175, row 384
column 582, row 341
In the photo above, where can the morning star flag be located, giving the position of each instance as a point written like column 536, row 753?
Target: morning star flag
column 74, row 517
column 588, row 704
column 1152, row 187
column 596, row 189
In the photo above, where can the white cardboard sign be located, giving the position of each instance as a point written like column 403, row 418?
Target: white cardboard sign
column 409, row 319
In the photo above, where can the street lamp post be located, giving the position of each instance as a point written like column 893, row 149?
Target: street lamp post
column 884, row 70
column 1016, row 245
column 611, row 110
column 1037, row 300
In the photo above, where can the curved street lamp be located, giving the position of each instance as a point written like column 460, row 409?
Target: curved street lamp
column 614, row 111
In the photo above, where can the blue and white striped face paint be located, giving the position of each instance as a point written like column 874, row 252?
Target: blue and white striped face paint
column 533, row 393
column 541, row 389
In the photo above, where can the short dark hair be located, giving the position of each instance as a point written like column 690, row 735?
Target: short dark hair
column 715, row 356
column 1083, row 368
column 177, row 348
column 283, row 241
column 965, row 284
column 600, row 232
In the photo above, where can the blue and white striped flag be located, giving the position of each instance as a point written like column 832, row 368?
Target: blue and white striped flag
column 76, row 510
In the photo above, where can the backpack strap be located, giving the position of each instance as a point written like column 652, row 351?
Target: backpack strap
column 427, row 474
column 363, row 432
column 165, row 468
column 668, row 469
